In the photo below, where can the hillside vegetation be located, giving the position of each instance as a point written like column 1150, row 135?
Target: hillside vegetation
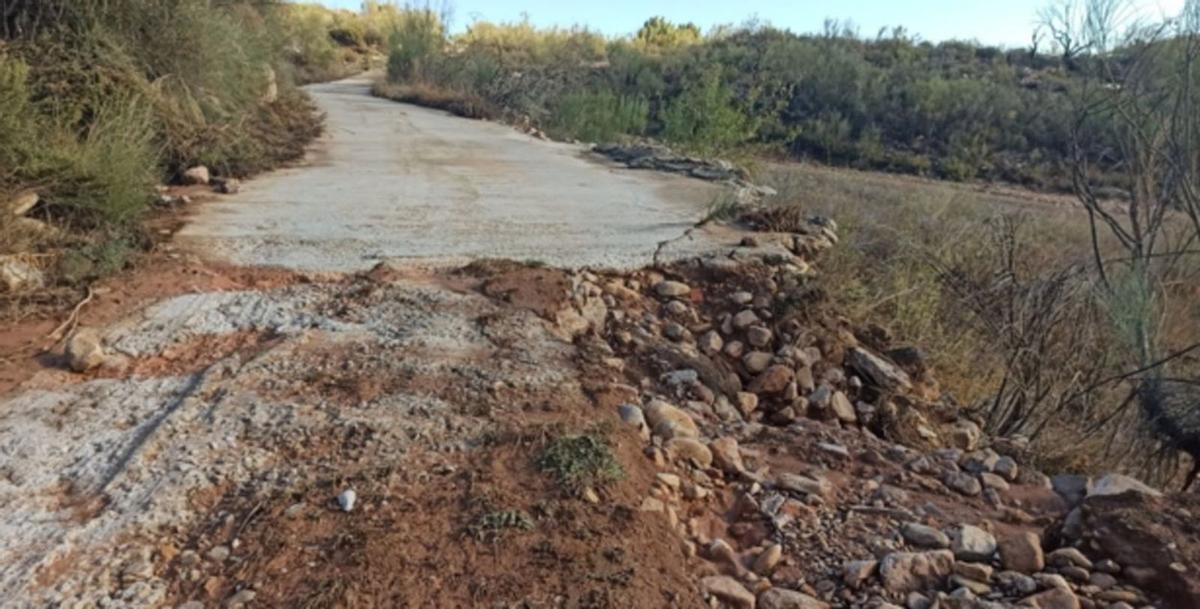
column 954, row 110
column 100, row 102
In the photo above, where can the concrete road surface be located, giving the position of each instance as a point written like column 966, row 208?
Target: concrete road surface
column 396, row 181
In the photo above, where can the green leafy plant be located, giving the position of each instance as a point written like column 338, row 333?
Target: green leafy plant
column 579, row 462
column 705, row 116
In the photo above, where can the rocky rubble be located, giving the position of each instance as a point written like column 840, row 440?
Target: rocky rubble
column 778, row 456
column 813, row 464
column 658, row 157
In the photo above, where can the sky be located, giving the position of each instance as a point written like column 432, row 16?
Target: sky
column 993, row 22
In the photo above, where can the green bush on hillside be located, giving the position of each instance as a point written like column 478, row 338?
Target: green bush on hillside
column 704, row 116
column 101, row 101
column 953, row 110
column 599, row 117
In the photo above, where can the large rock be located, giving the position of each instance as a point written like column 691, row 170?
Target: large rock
column 745, row 319
column 726, row 455
column 729, row 591
column 672, row 289
column 856, row 573
column 971, row 543
column 781, row 598
column 878, row 370
column 1069, row 557
column 18, row 276
column 690, row 450
column 758, row 336
column 1054, row 598
column 903, row 572
column 757, row 361
column 768, row 559
column 773, row 380
column 1115, row 484
column 804, row 484
column 980, row 461
column 633, row 416
column 1022, row 552
column 669, row 422
column 20, row 205
column 842, row 408
column 964, row 435
column 924, row 536
column 197, row 175
column 85, row 350
column 1073, row 488
column 711, row 342
column 962, row 483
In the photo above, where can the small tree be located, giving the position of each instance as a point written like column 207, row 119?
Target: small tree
column 1137, row 114
column 705, row 116
column 657, row 34
column 419, row 35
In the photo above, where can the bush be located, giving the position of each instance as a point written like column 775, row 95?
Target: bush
column 954, row 110
column 99, row 102
column 417, row 39
column 105, row 174
column 598, row 117
column 704, row 116
column 579, row 462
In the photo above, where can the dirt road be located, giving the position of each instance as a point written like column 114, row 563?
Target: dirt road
column 344, row 432
column 128, row 486
column 395, row 181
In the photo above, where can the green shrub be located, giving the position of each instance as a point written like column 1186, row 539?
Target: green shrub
column 953, row 109
column 578, row 462
column 705, row 116
column 106, row 100
column 417, row 39
column 658, row 34
column 104, row 174
column 599, row 117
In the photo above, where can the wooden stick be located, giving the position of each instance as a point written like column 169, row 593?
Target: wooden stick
column 63, row 330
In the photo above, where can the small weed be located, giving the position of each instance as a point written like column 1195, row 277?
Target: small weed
column 723, row 208
column 787, row 218
column 492, row 525
column 578, row 462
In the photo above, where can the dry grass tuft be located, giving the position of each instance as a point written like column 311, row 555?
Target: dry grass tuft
column 431, row 96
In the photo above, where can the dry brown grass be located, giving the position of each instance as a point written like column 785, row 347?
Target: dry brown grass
column 430, row 96
column 899, row 237
column 897, row 231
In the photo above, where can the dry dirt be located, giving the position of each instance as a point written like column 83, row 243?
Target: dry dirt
column 203, row 463
column 223, row 409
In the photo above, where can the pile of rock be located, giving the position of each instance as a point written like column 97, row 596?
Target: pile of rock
column 725, row 363
column 658, row 157
column 966, row 567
